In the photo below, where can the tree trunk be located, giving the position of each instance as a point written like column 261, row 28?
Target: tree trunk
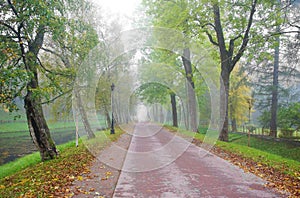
column 224, row 92
column 233, row 125
column 274, row 105
column 192, row 106
column 83, row 115
column 37, row 124
column 38, row 128
column 174, row 110
column 161, row 115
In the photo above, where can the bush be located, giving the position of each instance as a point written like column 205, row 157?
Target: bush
column 286, row 132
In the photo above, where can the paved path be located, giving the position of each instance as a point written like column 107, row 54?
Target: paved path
column 156, row 167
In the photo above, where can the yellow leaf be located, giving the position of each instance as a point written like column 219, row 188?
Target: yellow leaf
column 2, row 186
column 79, row 178
column 108, row 173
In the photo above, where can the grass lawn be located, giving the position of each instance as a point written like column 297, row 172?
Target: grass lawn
column 282, row 149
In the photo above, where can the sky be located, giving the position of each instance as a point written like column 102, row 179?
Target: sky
column 122, row 7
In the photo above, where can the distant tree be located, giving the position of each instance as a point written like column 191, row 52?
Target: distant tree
column 175, row 15
column 289, row 116
column 240, row 99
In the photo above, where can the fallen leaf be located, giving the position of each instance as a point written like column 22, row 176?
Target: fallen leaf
column 108, row 173
column 92, row 189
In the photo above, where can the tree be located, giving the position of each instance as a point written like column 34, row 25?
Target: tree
column 230, row 53
column 27, row 27
column 289, row 116
column 274, row 67
column 163, row 14
column 239, row 98
column 69, row 50
column 154, row 93
column 24, row 25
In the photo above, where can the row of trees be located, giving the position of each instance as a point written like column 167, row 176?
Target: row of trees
column 258, row 34
column 43, row 45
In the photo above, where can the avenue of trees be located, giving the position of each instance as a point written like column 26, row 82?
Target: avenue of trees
column 258, row 35
column 254, row 43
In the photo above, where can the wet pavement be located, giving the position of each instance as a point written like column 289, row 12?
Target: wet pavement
column 161, row 164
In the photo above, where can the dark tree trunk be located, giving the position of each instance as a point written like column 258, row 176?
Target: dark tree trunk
column 38, row 128
column 224, row 92
column 83, row 115
column 37, row 124
column 274, row 105
column 174, row 110
column 192, row 106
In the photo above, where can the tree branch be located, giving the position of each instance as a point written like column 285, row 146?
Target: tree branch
column 9, row 27
column 13, row 8
column 246, row 36
column 219, row 32
column 51, row 72
column 56, row 97
column 231, row 45
column 63, row 59
column 211, row 39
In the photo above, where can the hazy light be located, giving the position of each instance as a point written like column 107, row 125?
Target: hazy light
column 142, row 113
column 125, row 8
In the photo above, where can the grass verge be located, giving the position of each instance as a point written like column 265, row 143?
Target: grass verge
column 29, row 177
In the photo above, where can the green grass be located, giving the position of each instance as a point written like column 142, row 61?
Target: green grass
column 277, row 148
column 33, row 159
column 282, row 164
column 27, row 161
